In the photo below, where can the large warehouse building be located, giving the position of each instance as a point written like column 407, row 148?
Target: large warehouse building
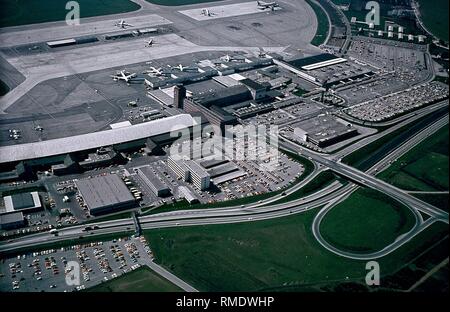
column 22, row 202
column 324, row 130
column 104, row 194
column 11, row 221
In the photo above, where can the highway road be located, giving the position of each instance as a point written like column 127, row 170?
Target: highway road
column 326, row 197
column 420, row 224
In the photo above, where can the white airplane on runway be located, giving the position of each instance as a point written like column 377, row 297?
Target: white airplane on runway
column 228, row 58
column 207, row 12
column 156, row 71
column 262, row 53
column 267, row 5
column 123, row 75
column 15, row 134
column 122, row 24
column 182, row 68
column 149, row 43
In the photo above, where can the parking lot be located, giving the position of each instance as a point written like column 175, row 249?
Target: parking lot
column 392, row 105
column 46, row 270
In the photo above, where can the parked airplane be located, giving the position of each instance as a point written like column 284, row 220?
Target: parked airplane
column 207, row 12
column 123, row 75
column 149, row 43
column 262, row 53
column 15, row 134
column 226, row 58
column 182, row 68
column 267, row 5
column 156, row 71
column 229, row 58
column 122, row 24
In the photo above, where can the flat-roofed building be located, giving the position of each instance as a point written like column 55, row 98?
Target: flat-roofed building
column 84, row 142
column 186, row 193
column 22, row 202
column 104, row 194
column 257, row 90
column 155, row 184
column 13, row 220
column 324, row 130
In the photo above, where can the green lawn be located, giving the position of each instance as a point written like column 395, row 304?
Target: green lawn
column 22, row 12
column 322, row 26
column 277, row 254
column 121, row 215
column 366, row 221
column 368, row 155
column 140, row 280
column 438, row 200
column 357, row 9
column 424, row 168
column 434, row 15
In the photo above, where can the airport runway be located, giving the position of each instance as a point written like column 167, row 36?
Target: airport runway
column 292, row 27
column 60, row 64
column 49, row 32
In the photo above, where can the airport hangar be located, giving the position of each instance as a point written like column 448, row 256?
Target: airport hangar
column 22, row 159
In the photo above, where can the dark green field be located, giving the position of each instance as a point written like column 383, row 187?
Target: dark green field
column 22, row 12
column 278, row 254
column 366, row 221
column 323, row 24
column 424, row 168
column 370, row 154
column 434, row 15
column 357, row 9
column 438, row 200
column 140, row 280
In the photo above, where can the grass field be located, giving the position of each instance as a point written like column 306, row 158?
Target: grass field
column 438, row 200
column 370, row 154
column 22, row 12
column 434, row 14
column 424, row 168
column 322, row 26
column 277, row 254
column 122, row 215
column 140, row 280
column 357, row 9
column 366, row 221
